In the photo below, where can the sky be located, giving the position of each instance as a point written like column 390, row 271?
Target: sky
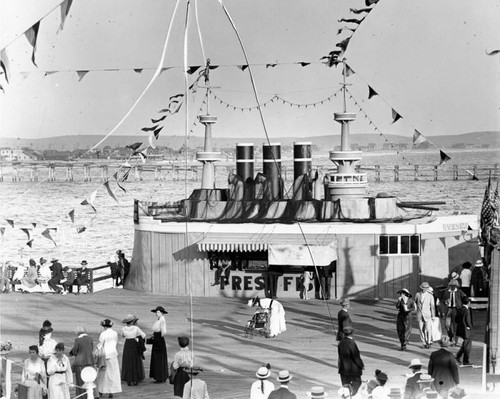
column 426, row 59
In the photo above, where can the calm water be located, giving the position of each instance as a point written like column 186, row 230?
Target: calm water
column 48, row 203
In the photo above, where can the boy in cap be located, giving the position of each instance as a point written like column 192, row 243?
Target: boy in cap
column 453, row 298
column 405, row 306
column 343, row 318
column 283, row 392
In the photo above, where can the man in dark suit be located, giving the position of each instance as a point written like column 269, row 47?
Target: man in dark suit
column 283, row 392
column 343, row 318
column 57, row 276
column 453, row 298
column 443, row 368
column 350, row 364
column 82, row 350
column 413, row 389
column 464, row 331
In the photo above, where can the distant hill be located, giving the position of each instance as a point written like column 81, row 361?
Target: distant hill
column 474, row 139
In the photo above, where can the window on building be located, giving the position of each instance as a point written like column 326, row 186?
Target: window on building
column 399, row 245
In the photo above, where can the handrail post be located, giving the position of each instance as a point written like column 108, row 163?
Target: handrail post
column 91, row 285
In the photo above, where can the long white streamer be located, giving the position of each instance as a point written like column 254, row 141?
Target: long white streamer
column 155, row 75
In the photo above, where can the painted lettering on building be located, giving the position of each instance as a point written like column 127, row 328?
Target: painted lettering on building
column 256, row 283
column 455, row 226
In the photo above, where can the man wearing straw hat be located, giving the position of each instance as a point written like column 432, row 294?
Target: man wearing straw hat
column 426, row 310
column 317, row 393
column 261, row 388
column 412, row 387
column 283, row 391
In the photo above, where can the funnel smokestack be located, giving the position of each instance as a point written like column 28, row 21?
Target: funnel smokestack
column 271, row 154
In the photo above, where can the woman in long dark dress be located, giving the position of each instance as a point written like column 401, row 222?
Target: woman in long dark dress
column 132, row 365
column 159, row 362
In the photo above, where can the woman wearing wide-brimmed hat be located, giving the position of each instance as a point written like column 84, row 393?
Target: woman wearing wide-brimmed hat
column 262, row 387
column 132, row 365
column 108, row 377
column 159, row 363
column 405, row 306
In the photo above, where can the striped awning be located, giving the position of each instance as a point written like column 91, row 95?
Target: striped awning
column 227, row 242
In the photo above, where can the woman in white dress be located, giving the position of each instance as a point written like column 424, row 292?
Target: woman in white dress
column 34, row 374
column 262, row 387
column 277, row 323
column 61, row 376
column 108, row 377
column 132, row 360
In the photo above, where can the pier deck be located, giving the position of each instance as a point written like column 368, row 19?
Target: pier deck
column 308, row 348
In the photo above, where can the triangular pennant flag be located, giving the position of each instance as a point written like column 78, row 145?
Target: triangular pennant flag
column 27, row 231
column 270, row 65
column 193, row 69
column 165, row 69
column 343, row 44
column 371, row 92
column 151, row 144
column 213, row 67
column 158, row 120
column 1, row 88
column 110, row 192
column 492, row 52
column 80, row 229
column 72, row 215
column 348, row 71
column 242, row 67
column 5, row 64
column 126, row 164
column 359, row 11
column 115, row 176
column 65, row 6
column 351, row 20
column 138, row 70
column 30, row 243
column 395, row 116
column 34, row 224
column 142, row 154
column 81, row 74
column 46, row 234
column 443, row 157
column 157, row 132
column 93, row 196
column 2, row 230
column 134, row 146
column 85, row 202
column 11, row 222
column 48, row 73
column 418, row 137
column 304, row 63
column 32, row 35
column 149, row 129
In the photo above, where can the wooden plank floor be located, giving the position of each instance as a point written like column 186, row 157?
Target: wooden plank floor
column 308, row 348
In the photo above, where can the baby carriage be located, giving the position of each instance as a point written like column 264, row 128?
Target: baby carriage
column 258, row 324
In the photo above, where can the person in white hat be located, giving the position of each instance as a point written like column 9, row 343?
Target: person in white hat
column 283, row 391
column 405, row 306
column 412, row 387
column 317, row 392
column 261, row 388
column 426, row 311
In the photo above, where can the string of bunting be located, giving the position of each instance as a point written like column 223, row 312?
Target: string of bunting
column 31, row 35
column 334, row 57
column 275, row 99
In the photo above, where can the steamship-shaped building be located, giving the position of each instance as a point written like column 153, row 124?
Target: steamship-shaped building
column 227, row 241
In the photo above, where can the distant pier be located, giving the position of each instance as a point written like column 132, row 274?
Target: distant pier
column 103, row 171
